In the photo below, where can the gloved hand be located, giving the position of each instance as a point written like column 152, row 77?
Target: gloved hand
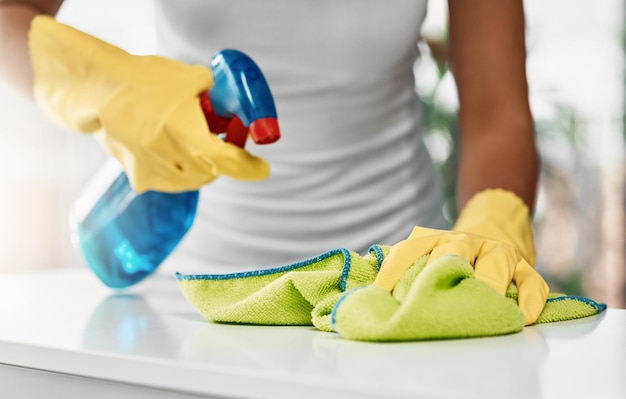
column 494, row 234
column 144, row 109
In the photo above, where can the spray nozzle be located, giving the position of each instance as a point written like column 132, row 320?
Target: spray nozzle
column 240, row 101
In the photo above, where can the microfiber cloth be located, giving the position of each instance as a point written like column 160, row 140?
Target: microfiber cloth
column 333, row 292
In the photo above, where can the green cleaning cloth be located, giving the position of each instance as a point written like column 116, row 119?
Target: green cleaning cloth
column 333, row 292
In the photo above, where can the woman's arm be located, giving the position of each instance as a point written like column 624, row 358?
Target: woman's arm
column 488, row 54
column 15, row 18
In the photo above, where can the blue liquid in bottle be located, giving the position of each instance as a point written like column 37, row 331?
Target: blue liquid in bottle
column 126, row 235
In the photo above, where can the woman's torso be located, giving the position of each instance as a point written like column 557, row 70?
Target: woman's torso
column 351, row 169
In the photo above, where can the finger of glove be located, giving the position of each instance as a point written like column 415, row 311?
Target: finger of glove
column 401, row 257
column 165, row 166
column 166, row 183
column 152, row 173
column 460, row 245
column 212, row 154
column 532, row 291
column 189, row 137
column 238, row 164
column 139, row 171
column 495, row 265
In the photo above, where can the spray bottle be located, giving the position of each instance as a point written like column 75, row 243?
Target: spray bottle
column 124, row 236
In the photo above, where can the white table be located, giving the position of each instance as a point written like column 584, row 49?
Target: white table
column 65, row 335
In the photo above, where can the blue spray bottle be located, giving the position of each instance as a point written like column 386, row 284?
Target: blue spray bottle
column 125, row 236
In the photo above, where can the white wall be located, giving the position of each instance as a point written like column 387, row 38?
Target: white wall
column 42, row 166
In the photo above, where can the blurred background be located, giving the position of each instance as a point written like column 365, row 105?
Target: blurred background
column 575, row 67
column 577, row 88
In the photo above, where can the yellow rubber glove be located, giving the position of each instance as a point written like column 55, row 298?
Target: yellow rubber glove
column 494, row 234
column 144, row 109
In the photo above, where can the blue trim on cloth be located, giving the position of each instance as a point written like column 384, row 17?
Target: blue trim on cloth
column 333, row 312
column 380, row 257
column 597, row 306
column 281, row 269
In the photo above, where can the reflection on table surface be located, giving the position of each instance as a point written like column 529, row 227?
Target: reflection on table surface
column 153, row 324
column 489, row 366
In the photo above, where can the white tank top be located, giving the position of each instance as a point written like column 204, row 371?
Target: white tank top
column 350, row 169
